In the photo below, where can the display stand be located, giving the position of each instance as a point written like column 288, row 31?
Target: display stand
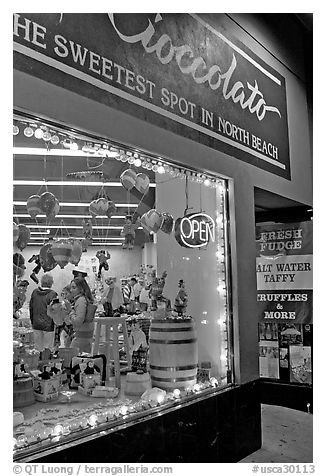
column 112, row 324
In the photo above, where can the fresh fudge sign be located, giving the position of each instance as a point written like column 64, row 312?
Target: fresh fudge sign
column 284, row 272
column 174, row 70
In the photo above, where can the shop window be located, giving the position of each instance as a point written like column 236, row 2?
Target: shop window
column 151, row 239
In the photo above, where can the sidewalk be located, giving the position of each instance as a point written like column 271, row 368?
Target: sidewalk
column 287, row 437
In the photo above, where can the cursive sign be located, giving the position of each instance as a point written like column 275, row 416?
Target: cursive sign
column 250, row 98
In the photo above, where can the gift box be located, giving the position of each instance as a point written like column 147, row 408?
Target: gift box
column 46, row 390
column 203, row 374
column 90, row 381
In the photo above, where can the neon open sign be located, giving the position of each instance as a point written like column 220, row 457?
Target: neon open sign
column 195, row 230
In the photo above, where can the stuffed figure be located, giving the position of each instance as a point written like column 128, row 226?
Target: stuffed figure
column 19, row 296
column 138, row 348
column 46, row 374
column 156, row 290
column 181, row 300
column 103, row 257
column 129, row 233
column 87, row 229
column 37, row 268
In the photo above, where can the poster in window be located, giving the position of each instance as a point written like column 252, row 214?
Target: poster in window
column 268, row 331
column 290, row 334
column 300, row 364
column 269, row 359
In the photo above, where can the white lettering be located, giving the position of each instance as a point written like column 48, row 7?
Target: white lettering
column 236, row 93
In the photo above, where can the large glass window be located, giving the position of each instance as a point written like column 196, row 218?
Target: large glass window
column 150, row 237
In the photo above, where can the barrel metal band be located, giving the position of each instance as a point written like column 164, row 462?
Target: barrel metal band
column 173, row 380
column 174, row 369
column 159, row 341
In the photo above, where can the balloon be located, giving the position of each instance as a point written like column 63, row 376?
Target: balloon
column 61, row 251
column 128, row 179
column 111, row 209
column 56, row 209
column 47, row 203
column 152, row 220
column 34, row 206
column 76, row 251
column 142, row 183
column 23, row 237
column 99, row 207
column 15, row 232
column 167, row 223
column 46, row 259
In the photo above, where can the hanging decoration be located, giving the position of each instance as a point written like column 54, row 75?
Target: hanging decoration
column 129, row 232
column 33, row 206
column 76, row 251
column 47, row 260
column 23, row 237
column 152, row 220
column 36, row 269
column 167, row 223
column 61, row 251
column 87, row 234
column 15, row 232
column 111, row 209
column 142, row 183
column 128, row 179
column 47, row 203
column 56, row 209
column 99, row 207
column 103, row 257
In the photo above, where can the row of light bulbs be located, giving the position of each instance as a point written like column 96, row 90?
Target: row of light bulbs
column 104, row 150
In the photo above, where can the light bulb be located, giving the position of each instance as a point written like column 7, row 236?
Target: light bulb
column 93, row 420
column 155, row 167
column 124, row 158
column 73, row 146
column 161, row 169
column 131, row 160
column 46, row 136
column 39, row 133
column 124, row 410
column 137, row 163
column 15, row 130
column 28, row 131
column 207, row 182
column 160, row 398
column 176, row 393
column 55, row 140
column 57, row 430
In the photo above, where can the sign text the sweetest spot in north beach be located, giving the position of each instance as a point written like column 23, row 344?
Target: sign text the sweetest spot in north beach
column 175, row 70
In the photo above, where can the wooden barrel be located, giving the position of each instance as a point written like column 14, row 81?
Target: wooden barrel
column 173, row 353
column 23, row 392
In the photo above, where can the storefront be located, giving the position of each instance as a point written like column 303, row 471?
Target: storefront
column 151, row 147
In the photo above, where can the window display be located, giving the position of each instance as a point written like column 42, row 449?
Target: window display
column 121, row 285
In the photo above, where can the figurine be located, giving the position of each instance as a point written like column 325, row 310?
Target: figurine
column 103, row 257
column 156, row 290
column 138, row 348
column 181, row 300
column 129, row 233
